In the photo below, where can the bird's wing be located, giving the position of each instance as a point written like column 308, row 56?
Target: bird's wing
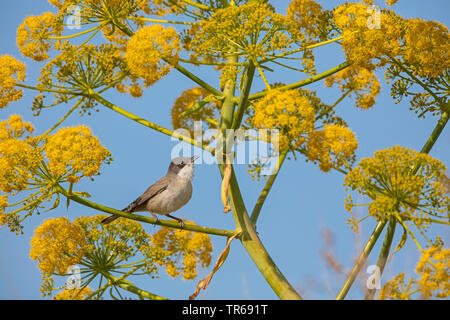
column 155, row 189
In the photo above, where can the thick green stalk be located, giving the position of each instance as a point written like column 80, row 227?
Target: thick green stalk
column 245, row 91
column 305, row 82
column 127, row 285
column 267, row 188
column 166, row 223
column 436, row 133
column 361, row 260
column 251, row 242
column 384, row 253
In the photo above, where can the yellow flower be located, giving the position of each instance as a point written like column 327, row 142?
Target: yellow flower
column 333, row 146
column 253, row 28
column 358, row 80
column 388, row 178
column 19, row 159
column 184, row 251
column 288, row 111
column 11, row 73
column 434, row 270
column 398, row 289
column 33, row 34
column 306, row 16
column 209, row 110
column 73, row 294
column 427, row 47
column 146, row 50
column 75, row 150
column 362, row 41
column 57, row 244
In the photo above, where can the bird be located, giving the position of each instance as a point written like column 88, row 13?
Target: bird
column 166, row 195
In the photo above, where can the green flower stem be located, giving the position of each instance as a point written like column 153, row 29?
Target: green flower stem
column 245, row 91
column 127, row 285
column 267, row 188
column 166, row 223
column 62, row 119
column 21, row 85
column 152, row 125
column 305, row 82
column 249, row 238
column 384, row 253
column 312, row 46
column 361, row 259
column 76, row 34
column 198, row 5
column 161, row 21
column 251, row 242
column 436, row 133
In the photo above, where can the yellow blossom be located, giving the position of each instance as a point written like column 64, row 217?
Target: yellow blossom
column 390, row 180
column 146, row 50
column 57, row 244
column 75, row 150
column 362, row 82
column 398, row 289
column 73, row 294
column 209, row 110
column 306, row 16
column 362, row 41
column 11, row 73
column 434, row 270
column 288, row 111
column 33, row 34
column 19, row 159
column 427, row 47
column 254, row 29
column 185, row 251
column 333, row 146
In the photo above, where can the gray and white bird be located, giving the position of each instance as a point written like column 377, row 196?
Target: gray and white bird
column 168, row 194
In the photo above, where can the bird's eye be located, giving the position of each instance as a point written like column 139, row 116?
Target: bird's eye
column 181, row 165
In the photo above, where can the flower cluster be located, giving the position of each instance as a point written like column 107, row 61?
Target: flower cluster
column 184, row 251
column 73, row 151
column 252, row 29
column 333, row 146
column 149, row 49
column 56, row 245
column 104, row 250
column 73, row 294
column 19, row 158
column 288, row 111
column 31, row 168
column 402, row 182
column 80, row 71
column 202, row 108
column 307, row 17
column 434, row 271
column 34, row 33
column 11, row 73
column 362, row 82
column 427, row 47
column 363, row 44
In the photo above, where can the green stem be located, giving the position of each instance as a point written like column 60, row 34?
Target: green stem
column 245, row 91
column 262, row 197
column 166, row 223
column 436, row 133
column 251, row 242
column 384, row 253
column 304, row 82
column 152, row 125
column 361, row 260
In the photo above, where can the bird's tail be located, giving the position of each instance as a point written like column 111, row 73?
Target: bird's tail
column 109, row 219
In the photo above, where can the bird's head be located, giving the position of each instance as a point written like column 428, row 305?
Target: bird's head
column 183, row 167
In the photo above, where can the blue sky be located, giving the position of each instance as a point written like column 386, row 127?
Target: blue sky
column 303, row 202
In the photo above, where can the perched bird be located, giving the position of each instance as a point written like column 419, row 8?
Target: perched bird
column 168, row 194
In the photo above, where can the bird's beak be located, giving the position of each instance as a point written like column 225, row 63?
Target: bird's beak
column 195, row 158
